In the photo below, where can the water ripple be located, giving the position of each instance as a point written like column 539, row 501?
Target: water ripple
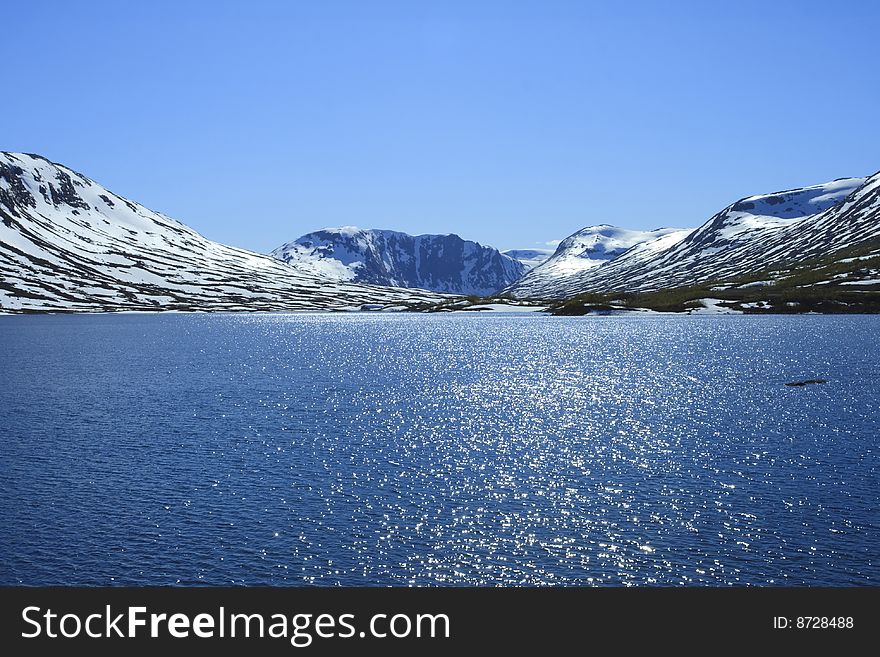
column 334, row 449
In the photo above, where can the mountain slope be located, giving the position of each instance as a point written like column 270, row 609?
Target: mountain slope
column 585, row 250
column 530, row 258
column 67, row 243
column 752, row 235
column 442, row 263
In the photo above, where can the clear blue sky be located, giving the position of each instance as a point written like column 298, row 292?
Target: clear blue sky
column 512, row 123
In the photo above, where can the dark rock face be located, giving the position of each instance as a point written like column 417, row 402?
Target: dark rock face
column 441, row 263
column 65, row 194
column 17, row 195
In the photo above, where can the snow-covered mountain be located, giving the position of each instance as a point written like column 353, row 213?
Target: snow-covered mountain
column 442, row 263
column 752, row 235
column 530, row 258
column 585, row 250
column 67, row 243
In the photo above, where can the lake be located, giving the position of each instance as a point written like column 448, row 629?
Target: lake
column 412, row 449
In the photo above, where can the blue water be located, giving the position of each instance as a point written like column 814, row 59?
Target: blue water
column 406, row 449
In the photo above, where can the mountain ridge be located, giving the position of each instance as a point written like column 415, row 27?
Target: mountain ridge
column 749, row 235
column 584, row 250
column 68, row 243
column 440, row 263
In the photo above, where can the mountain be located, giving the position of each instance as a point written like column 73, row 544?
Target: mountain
column 67, row 243
column 780, row 231
column 587, row 249
column 442, row 263
column 530, row 258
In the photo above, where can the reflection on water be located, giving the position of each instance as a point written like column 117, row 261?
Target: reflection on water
column 407, row 449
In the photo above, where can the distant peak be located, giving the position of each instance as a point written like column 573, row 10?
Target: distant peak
column 342, row 230
column 445, row 263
